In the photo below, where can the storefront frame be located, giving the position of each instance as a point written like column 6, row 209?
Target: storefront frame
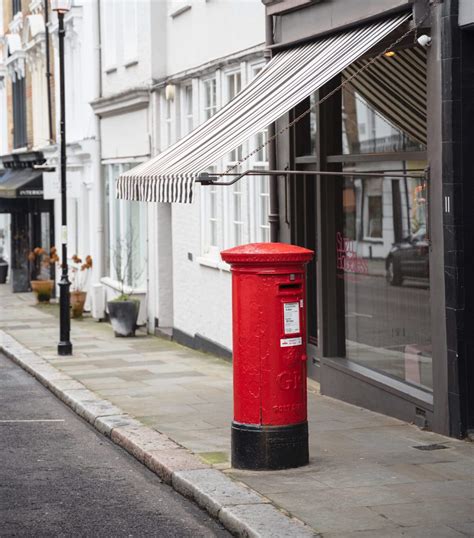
column 341, row 378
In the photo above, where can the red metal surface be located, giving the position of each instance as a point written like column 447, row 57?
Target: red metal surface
column 269, row 362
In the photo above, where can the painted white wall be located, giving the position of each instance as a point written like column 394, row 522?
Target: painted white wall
column 125, row 135
column 203, row 34
column 81, row 87
column 211, row 30
column 126, row 28
column 202, row 294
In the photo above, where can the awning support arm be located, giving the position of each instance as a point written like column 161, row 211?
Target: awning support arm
column 206, row 179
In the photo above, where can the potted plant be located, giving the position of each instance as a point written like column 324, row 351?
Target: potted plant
column 123, row 310
column 3, row 262
column 79, row 279
column 42, row 284
column 3, row 270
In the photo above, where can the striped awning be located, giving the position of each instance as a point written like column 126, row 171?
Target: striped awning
column 286, row 80
column 396, row 88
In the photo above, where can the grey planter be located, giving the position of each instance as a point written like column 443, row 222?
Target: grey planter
column 3, row 271
column 123, row 316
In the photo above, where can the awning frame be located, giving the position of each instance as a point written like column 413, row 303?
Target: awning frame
column 206, row 179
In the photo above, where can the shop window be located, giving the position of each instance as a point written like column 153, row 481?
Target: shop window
column 386, row 285
column 381, row 279
column 384, row 106
column 126, row 232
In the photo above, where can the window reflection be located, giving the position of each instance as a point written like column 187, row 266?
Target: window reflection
column 384, row 106
column 383, row 259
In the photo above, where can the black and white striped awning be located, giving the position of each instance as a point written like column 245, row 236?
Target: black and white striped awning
column 286, row 80
column 396, row 87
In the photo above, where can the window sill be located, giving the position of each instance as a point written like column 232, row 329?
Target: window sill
column 180, row 11
column 115, row 285
column 377, row 241
column 131, row 63
column 213, row 263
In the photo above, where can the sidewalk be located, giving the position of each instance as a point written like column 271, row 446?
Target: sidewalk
column 365, row 477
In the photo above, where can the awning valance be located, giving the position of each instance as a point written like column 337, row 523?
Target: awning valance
column 21, row 183
column 290, row 77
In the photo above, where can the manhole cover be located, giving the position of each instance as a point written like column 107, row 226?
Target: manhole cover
column 431, row 447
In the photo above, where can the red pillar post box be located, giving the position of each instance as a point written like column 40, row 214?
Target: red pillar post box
column 270, row 428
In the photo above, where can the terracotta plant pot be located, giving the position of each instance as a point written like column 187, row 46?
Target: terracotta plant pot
column 43, row 290
column 78, row 298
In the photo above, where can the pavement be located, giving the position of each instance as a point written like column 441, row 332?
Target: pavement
column 59, row 477
column 171, row 407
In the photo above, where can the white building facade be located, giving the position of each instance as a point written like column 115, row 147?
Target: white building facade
column 207, row 62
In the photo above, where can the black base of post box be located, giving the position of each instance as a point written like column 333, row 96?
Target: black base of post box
column 266, row 448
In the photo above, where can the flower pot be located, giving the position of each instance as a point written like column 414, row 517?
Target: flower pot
column 43, row 290
column 78, row 298
column 3, row 271
column 123, row 316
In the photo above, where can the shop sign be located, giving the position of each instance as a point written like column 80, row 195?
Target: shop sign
column 30, row 193
column 347, row 259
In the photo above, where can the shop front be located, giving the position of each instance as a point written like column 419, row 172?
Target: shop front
column 31, row 217
column 366, row 169
column 379, row 312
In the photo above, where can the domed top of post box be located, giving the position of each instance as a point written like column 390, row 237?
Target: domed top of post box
column 267, row 253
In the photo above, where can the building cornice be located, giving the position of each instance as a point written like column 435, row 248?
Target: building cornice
column 120, row 103
column 249, row 54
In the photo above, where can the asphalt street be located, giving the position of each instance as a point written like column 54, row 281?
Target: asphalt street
column 59, row 477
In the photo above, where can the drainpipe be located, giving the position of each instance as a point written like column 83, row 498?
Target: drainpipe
column 98, row 188
column 48, row 70
column 274, row 215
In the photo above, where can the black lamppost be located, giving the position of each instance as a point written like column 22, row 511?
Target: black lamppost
column 65, row 346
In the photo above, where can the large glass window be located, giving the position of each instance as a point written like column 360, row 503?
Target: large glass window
column 126, row 233
column 384, row 106
column 382, row 248
column 386, row 283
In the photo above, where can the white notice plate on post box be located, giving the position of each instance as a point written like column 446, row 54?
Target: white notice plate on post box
column 291, row 316
column 291, row 342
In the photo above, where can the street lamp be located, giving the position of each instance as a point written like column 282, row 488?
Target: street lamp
column 65, row 346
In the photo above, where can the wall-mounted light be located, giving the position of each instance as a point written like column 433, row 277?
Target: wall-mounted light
column 170, row 92
column 389, row 54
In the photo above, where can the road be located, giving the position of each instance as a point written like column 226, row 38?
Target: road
column 59, row 477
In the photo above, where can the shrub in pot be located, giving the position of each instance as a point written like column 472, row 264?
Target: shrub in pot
column 3, row 270
column 79, row 272
column 123, row 314
column 123, row 310
column 42, row 284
